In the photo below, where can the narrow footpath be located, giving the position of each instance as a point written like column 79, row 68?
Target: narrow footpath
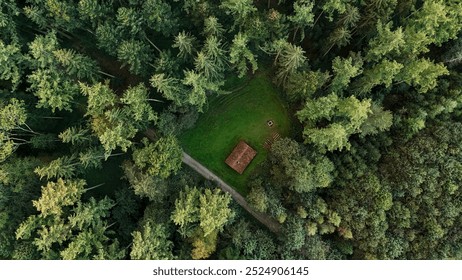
column 263, row 218
column 266, row 220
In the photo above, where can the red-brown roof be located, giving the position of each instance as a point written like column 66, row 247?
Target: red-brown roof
column 240, row 157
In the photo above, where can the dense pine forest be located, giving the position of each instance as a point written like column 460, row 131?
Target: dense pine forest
column 100, row 99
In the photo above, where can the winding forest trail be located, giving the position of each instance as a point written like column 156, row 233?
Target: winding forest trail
column 269, row 222
column 263, row 218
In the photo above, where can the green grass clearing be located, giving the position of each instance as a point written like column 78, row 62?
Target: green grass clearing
column 241, row 115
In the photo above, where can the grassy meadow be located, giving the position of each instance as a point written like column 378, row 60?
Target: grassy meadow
column 240, row 115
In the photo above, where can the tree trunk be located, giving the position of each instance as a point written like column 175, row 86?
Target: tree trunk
column 318, row 18
column 152, row 44
column 106, row 74
column 155, row 100
column 94, row 187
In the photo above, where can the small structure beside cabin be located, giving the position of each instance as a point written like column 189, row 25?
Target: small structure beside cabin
column 240, row 157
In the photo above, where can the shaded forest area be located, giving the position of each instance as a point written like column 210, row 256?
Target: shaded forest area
column 372, row 169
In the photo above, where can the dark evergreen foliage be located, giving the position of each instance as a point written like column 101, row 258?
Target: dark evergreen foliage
column 99, row 91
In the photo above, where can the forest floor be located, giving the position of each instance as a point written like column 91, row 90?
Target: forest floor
column 108, row 175
column 239, row 115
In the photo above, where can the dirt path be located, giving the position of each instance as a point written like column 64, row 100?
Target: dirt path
column 269, row 222
column 266, row 220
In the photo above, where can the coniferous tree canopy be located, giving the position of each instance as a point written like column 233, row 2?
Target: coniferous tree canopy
column 116, row 116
